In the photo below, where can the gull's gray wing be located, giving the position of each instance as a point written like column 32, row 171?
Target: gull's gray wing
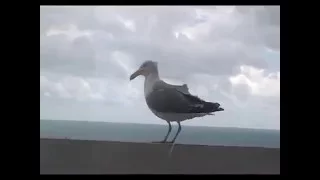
column 161, row 84
column 183, row 88
column 168, row 98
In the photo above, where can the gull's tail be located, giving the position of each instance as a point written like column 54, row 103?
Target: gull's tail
column 198, row 105
column 205, row 107
column 213, row 107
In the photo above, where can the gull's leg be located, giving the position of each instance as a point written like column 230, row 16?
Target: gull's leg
column 175, row 137
column 169, row 130
column 166, row 137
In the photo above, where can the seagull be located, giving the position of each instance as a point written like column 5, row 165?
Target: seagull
column 172, row 103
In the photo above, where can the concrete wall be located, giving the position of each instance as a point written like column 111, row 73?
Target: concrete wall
column 97, row 157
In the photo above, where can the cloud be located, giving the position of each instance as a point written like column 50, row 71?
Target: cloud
column 225, row 54
column 257, row 82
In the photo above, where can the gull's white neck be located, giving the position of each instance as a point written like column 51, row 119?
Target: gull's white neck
column 149, row 82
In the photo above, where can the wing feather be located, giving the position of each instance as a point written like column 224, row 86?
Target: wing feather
column 173, row 98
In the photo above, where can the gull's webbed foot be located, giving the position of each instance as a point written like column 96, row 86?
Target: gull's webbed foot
column 170, row 142
column 163, row 141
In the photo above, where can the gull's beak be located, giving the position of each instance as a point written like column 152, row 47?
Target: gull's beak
column 137, row 73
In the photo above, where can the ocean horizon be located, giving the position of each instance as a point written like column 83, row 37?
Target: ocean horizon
column 130, row 132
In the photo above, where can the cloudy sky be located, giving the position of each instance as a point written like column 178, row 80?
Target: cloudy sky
column 229, row 55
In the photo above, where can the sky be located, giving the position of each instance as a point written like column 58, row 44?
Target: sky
column 224, row 54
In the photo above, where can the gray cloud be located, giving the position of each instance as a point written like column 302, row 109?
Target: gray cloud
column 155, row 39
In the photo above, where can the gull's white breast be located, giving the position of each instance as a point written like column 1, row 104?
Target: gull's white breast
column 148, row 84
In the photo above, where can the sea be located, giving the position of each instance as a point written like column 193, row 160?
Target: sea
column 128, row 132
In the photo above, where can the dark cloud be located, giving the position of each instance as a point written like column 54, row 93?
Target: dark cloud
column 155, row 39
column 267, row 23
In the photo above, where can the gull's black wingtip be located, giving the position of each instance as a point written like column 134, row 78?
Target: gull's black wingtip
column 217, row 107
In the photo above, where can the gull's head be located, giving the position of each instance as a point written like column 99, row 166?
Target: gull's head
column 146, row 68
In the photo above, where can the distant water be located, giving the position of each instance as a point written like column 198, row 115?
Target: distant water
column 147, row 133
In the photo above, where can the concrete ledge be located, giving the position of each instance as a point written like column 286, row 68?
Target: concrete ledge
column 62, row 156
